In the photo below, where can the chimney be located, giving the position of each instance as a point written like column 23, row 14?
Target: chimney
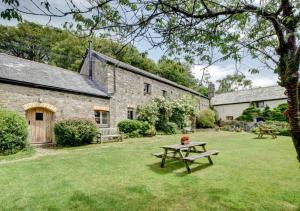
column 211, row 90
column 90, row 61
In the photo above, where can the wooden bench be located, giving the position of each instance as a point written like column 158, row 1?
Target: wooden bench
column 109, row 133
column 188, row 130
column 202, row 155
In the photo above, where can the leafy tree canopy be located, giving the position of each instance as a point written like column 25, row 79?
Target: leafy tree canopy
column 63, row 49
column 233, row 82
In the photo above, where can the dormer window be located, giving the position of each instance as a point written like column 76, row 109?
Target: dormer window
column 147, row 88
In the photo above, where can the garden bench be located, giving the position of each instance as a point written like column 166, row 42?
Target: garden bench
column 267, row 131
column 183, row 152
column 188, row 130
column 206, row 154
column 109, row 133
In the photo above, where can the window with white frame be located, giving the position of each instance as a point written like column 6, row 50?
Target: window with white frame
column 102, row 118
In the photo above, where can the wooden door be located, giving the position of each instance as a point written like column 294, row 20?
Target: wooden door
column 40, row 123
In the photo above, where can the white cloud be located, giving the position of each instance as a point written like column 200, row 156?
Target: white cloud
column 220, row 71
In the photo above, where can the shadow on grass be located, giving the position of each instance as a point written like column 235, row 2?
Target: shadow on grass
column 173, row 165
column 258, row 138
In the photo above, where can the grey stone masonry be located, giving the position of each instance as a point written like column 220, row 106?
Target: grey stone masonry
column 126, row 88
column 68, row 105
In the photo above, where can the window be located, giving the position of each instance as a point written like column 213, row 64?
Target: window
column 147, row 88
column 102, row 118
column 259, row 104
column 229, row 117
column 39, row 116
column 130, row 114
column 164, row 93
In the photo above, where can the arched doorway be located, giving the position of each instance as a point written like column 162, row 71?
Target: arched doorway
column 40, row 120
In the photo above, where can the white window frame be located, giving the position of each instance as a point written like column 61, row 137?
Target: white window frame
column 100, row 121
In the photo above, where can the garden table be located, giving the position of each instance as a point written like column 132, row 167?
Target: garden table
column 183, row 152
column 267, row 131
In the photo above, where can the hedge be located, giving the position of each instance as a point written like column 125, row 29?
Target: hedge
column 13, row 132
column 75, row 132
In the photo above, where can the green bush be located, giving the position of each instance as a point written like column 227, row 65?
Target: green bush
column 282, row 128
column 75, row 132
column 278, row 113
column 148, row 113
column 128, row 125
column 150, row 132
column 136, row 128
column 249, row 114
column 170, row 128
column 206, row 119
column 160, row 111
column 13, row 132
column 134, row 134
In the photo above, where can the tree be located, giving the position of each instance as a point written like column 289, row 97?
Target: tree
column 28, row 40
column 233, row 82
column 267, row 31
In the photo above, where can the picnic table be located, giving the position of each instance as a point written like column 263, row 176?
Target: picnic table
column 182, row 153
column 267, row 131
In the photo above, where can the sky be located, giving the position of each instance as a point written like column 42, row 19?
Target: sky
column 217, row 71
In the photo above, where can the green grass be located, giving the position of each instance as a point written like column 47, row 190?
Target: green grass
column 22, row 154
column 248, row 174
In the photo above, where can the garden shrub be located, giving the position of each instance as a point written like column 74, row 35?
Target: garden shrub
column 282, row 128
column 183, row 111
column 136, row 128
column 278, row 113
column 148, row 113
column 13, row 132
column 160, row 111
column 206, row 118
column 170, row 128
column 150, row 132
column 267, row 113
column 128, row 125
column 249, row 114
column 134, row 134
column 75, row 132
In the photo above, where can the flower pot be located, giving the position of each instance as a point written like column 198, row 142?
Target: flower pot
column 185, row 139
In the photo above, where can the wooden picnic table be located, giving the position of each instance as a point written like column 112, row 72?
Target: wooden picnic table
column 267, row 131
column 182, row 152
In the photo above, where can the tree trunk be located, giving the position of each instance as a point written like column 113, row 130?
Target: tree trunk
column 292, row 92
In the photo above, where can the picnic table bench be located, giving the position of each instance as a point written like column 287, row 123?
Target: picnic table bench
column 183, row 152
column 109, row 133
column 267, row 131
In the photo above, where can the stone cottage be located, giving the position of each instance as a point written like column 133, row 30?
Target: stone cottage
column 230, row 105
column 105, row 90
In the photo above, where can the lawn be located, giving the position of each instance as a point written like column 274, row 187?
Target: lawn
column 248, row 174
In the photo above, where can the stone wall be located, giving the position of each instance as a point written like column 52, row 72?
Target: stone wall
column 68, row 105
column 126, row 89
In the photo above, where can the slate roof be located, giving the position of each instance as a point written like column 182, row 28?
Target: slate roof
column 139, row 71
column 21, row 71
column 251, row 95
